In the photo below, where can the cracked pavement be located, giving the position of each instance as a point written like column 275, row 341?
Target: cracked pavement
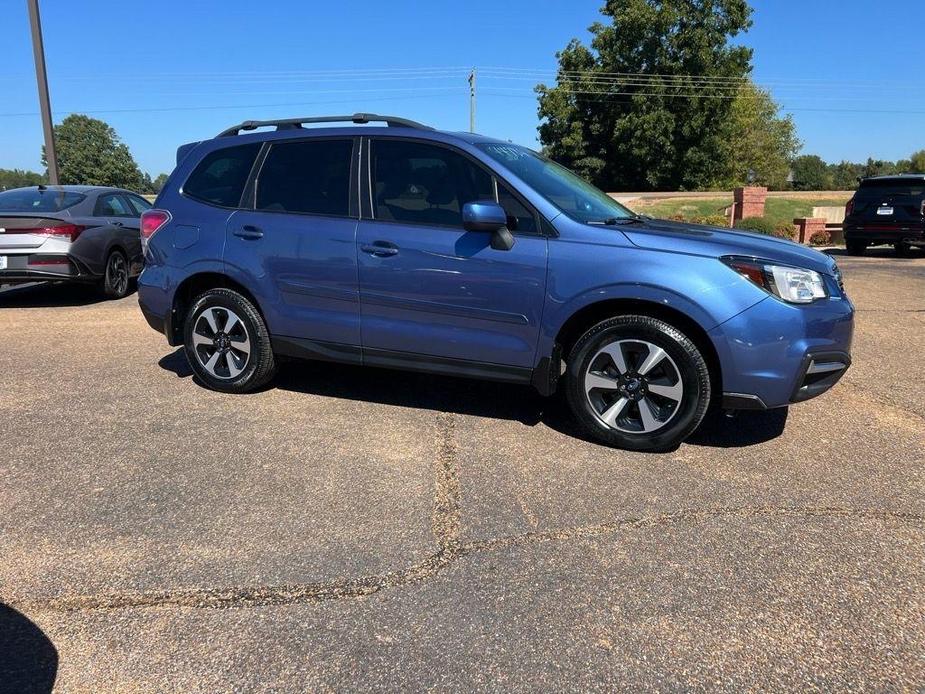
column 368, row 529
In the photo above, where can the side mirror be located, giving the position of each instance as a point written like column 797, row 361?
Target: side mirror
column 489, row 217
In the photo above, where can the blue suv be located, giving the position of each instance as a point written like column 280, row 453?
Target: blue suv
column 406, row 247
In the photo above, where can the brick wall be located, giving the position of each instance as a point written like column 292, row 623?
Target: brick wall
column 749, row 202
column 806, row 227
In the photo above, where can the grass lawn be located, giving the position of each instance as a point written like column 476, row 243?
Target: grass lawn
column 777, row 209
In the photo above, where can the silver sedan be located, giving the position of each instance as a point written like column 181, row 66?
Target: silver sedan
column 71, row 234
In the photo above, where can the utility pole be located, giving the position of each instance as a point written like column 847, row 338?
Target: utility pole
column 472, row 101
column 41, row 78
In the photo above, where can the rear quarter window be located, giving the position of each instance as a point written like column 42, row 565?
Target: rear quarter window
column 220, row 177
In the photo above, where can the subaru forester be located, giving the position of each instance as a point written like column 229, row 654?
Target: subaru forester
column 397, row 245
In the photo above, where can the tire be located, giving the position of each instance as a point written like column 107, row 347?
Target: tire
column 116, row 279
column 856, row 247
column 902, row 249
column 681, row 376
column 235, row 357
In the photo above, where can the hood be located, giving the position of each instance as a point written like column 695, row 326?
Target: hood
column 662, row 235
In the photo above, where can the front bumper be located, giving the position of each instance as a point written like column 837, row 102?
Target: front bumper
column 776, row 354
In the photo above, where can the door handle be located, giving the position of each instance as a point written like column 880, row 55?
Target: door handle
column 380, row 249
column 116, row 223
column 248, row 231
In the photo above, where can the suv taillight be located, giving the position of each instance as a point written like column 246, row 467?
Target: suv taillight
column 151, row 221
column 849, row 208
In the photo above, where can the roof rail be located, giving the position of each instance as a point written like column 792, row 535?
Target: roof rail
column 296, row 123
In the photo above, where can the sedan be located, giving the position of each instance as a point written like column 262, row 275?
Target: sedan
column 86, row 234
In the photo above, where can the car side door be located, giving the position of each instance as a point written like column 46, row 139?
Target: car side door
column 118, row 227
column 431, row 291
column 294, row 245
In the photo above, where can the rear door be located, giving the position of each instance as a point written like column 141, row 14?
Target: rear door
column 890, row 203
column 118, row 226
column 296, row 247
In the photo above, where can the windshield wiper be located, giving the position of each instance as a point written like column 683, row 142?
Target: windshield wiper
column 618, row 221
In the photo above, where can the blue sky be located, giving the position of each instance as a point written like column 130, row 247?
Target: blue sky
column 850, row 71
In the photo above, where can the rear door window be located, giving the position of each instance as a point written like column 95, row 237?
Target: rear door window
column 220, row 177
column 310, row 177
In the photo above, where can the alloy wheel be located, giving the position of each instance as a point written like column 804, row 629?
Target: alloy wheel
column 221, row 342
column 117, row 274
column 633, row 386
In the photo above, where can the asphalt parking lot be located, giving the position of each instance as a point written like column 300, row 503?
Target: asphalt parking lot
column 364, row 529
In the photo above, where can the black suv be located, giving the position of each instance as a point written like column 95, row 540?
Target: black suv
column 886, row 210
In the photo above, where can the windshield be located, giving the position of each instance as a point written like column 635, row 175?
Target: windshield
column 35, row 200
column 571, row 194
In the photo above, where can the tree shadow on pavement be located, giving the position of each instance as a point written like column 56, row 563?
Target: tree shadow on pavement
column 28, row 660
column 479, row 398
column 49, row 295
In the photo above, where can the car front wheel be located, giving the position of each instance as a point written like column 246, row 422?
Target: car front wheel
column 638, row 383
column 227, row 343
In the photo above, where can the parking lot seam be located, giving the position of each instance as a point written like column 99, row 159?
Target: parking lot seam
column 446, row 555
column 446, row 512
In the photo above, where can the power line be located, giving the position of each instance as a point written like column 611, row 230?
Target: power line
column 227, row 107
column 783, row 107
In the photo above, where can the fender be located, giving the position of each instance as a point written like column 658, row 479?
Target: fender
column 703, row 289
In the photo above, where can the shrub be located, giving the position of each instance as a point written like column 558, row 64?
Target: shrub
column 713, row 220
column 820, row 238
column 785, row 230
column 760, row 225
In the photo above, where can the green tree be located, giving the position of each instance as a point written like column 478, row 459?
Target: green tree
column 19, row 178
column 633, row 111
column 159, row 182
column 916, row 162
column 845, row 175
column 811, row 173
column 759, row 143
column 89, row 152
column 878, row 167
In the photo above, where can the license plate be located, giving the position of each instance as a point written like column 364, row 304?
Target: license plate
column 2, row 262
column 885, row 211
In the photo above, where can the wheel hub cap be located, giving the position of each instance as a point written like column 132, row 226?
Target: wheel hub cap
column 633, row 386
column 221, row 342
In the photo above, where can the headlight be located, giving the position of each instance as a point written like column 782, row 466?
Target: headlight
column 792, row 284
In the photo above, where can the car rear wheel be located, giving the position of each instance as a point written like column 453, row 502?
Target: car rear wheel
column 638, row 383
column 227, row 343
column 856, row 247
column 116, row 276
column 902, row 248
